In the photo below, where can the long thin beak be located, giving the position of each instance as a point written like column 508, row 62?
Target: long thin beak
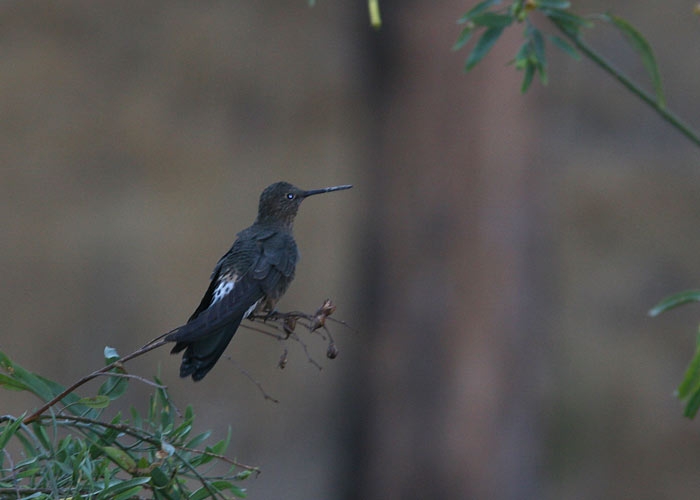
column 326, row 190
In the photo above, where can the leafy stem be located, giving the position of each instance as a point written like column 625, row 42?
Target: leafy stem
column 492, row 18
column 645, row 96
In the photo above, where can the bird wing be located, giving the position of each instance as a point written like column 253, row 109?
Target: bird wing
column 259, row 265
column 227, row 300
column 274, row 269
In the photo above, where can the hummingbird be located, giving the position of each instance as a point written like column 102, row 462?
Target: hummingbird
column 250, row 277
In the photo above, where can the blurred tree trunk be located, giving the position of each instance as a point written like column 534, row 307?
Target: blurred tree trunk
column 450, row 401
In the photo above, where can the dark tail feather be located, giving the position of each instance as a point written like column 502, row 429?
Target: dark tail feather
column 201, row 355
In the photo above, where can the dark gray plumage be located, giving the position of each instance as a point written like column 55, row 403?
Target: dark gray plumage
column 252, row 275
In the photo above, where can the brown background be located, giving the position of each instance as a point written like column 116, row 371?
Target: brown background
column 497, row 255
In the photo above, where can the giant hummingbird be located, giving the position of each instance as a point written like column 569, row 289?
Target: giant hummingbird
column 249, row 278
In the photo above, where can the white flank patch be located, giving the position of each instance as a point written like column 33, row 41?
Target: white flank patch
column 222, row 290
column 251, row 309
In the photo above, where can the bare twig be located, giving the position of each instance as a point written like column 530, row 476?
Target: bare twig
column 153, row 344
column 306, row 351
column 136, row 377
column 266, row 332
column 250, row 377
column 140, row 434
column 285, row 323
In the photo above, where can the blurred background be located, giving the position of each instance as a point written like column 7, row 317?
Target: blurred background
column 497, row 255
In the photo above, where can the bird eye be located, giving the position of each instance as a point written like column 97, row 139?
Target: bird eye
column 290, row 196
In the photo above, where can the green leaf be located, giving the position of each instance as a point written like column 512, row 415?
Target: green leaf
column 136, row 418
column 493, row 20
column 527, row 78
column 127, row 494
column 692, row 406
column 30, row 449
column 166, row 419
column 522, row 58
column 553, row 4
column 199, row 439
column 200, row 494
column 124, row 489
column 14, row 385
column 41, row 435
column 114, row 387
column 244, row 474
column 463, row 38
column 689, row 389
column 565, row 46
column 691, row 379
column 227, row 485
column 538, row 48
column 9, row 431
column 95, row 402
column 182, row 431
column 120, row 457
column 477, row 9
column 17, row 378
column 675, row 301
column 643, row 48
column 485, row 43
column 160, row 478
column 26, row 378
column 566, row 21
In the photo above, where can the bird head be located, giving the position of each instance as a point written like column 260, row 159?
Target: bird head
column 279, row 202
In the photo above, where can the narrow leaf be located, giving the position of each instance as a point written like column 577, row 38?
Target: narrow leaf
column 692, row 406
column 492, row 20
column 522, row 58
column 120, row 457
column 566, row 21
column 643, row 48
column 538, row 46
column 527, row 78
column 114, row 387
column 199, row 439
column 42, row 387
column 565, row 46
column 477, row 9
column 41, row 435
column 127, row 494
column 200, row 494
column 675, row 301
column 9, row 383
column 691, row 379
column 95, row 402
column 463, row 38
column 160, row 478
column 553, row 4
column 121, row 488
column 485, row 43
column 9, row 431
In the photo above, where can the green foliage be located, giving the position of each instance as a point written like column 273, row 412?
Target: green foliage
column 689, row 389
column 492, row 19
column 643, row 48
column 79, row 453
column 674, row 301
